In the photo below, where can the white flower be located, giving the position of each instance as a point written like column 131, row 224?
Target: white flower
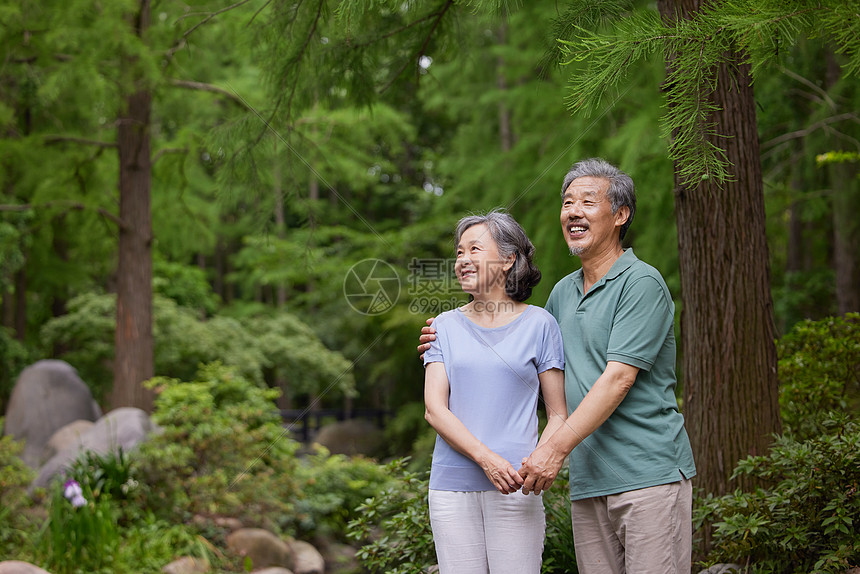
column 72, row 490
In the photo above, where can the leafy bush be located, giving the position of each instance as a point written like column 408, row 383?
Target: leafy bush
column 332, row 488
column 401, row 513
column 222, row 451
column 15, row 477
column 14, row 356
column 558, row 554
column 819, row 371
column 806, row 519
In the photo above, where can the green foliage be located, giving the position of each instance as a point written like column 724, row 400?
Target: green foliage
column 276, row 348
column 332, row 489
column 696, row 46
column 221, row 451
column 14, row 357
column 819, row 371
column 15, row 477
column 79, row 537
column 558, row 554
column 805, row 519
column 400, row 511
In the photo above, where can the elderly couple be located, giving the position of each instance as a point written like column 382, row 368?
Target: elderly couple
column 602, row 356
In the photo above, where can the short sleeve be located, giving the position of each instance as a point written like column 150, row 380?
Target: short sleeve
column 551, row 352
column 644, row 318
column 434, row 353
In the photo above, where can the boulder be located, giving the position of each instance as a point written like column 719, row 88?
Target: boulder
column 47, row 396
column 186, row 565
column 261, row 546
column 306, row 558
column 351, row 437
column 124, row 428
column 16, row 567
column 65, row 437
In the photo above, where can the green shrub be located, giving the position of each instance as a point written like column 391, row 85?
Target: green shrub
column 16, row 526
column 806, row 519
column 222, row 452
column 332, row 487
column 819, row 372
column 558, row 554
column 400, row 512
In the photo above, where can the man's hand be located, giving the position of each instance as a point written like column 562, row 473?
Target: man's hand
column 540, row 469
column 428, row 334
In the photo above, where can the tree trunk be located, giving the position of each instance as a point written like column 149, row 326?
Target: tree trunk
column 846, row 235
column 133, row 362
column 727, row 333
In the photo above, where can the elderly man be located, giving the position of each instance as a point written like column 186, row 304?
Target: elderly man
column 630, row 457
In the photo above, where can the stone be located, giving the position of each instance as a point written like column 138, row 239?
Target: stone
column 47, row 396
column 340, row 558
column 723, row 569
column 273, row 570
column 351, row 437
column 65, row 437
column 306, row 558
column 186, row 565
column 125, row 428
column 261, row 546
column 17, row 567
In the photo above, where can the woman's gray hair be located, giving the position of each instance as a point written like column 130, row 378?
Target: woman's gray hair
column 511, row 240
column 621, row 190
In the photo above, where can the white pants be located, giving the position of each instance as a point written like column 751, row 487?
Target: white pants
column 481, row 532
column 646, row 531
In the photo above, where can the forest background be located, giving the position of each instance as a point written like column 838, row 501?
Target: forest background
column 239, row 177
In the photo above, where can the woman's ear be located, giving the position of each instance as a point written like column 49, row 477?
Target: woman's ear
column 509, row 262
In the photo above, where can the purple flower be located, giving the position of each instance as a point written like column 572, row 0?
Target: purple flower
column 73, row 492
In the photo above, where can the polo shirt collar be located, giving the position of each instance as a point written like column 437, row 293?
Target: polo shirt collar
column 621, row 265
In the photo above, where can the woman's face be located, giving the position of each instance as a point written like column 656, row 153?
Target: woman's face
column 479, row 266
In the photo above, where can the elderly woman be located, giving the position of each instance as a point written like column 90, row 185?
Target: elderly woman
column 484, row 372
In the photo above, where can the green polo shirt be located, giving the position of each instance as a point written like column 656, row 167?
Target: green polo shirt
column 627, row 316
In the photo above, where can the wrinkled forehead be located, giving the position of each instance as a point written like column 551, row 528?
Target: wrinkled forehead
column 587, row 186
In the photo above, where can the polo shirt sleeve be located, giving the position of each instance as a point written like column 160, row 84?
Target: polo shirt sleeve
column 644, row 315
column 434, row 353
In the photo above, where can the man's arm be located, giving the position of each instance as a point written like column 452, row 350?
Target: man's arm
column 428, row 334
column 542, row 466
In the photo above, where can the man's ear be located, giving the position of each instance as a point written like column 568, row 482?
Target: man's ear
column 622, row 215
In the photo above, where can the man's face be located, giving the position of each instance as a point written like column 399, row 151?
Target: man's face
column 589, row 226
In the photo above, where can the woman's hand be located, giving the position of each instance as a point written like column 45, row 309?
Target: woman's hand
column 428, row 334
column 500, row 472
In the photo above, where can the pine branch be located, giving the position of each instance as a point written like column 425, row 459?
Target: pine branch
column 180, row 43
column 70, row 205
column 56, row 139
column 191, row 85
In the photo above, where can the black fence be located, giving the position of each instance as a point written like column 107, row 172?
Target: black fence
column 304, row 423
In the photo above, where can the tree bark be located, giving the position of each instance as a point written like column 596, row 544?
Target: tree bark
column 727, row 332
column 134, row 359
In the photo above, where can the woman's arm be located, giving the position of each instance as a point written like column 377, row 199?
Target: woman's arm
column 552, row 391
column 454, row 432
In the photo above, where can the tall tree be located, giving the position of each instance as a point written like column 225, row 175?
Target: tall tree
column 712, row 50
column 133, row 358
column 727, row 332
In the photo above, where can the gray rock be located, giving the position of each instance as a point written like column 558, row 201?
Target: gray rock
column 355, row 436
column 125, row 428
column 65, row 437
column 186, row 565
column 273, row 570
column 261, row 546
column 16, row 567
column 723, row 569
column 307, row 559
column 48, row 395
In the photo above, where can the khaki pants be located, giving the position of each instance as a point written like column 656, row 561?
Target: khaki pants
column 647, row 531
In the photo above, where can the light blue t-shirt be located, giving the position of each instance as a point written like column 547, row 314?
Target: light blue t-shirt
column 494, row 386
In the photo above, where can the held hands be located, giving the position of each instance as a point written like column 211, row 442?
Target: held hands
column 428, row 334
column 501, row 473
column 540, row 469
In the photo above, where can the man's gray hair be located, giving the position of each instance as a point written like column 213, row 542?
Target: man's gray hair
column 621, row 190
column 511, row 240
